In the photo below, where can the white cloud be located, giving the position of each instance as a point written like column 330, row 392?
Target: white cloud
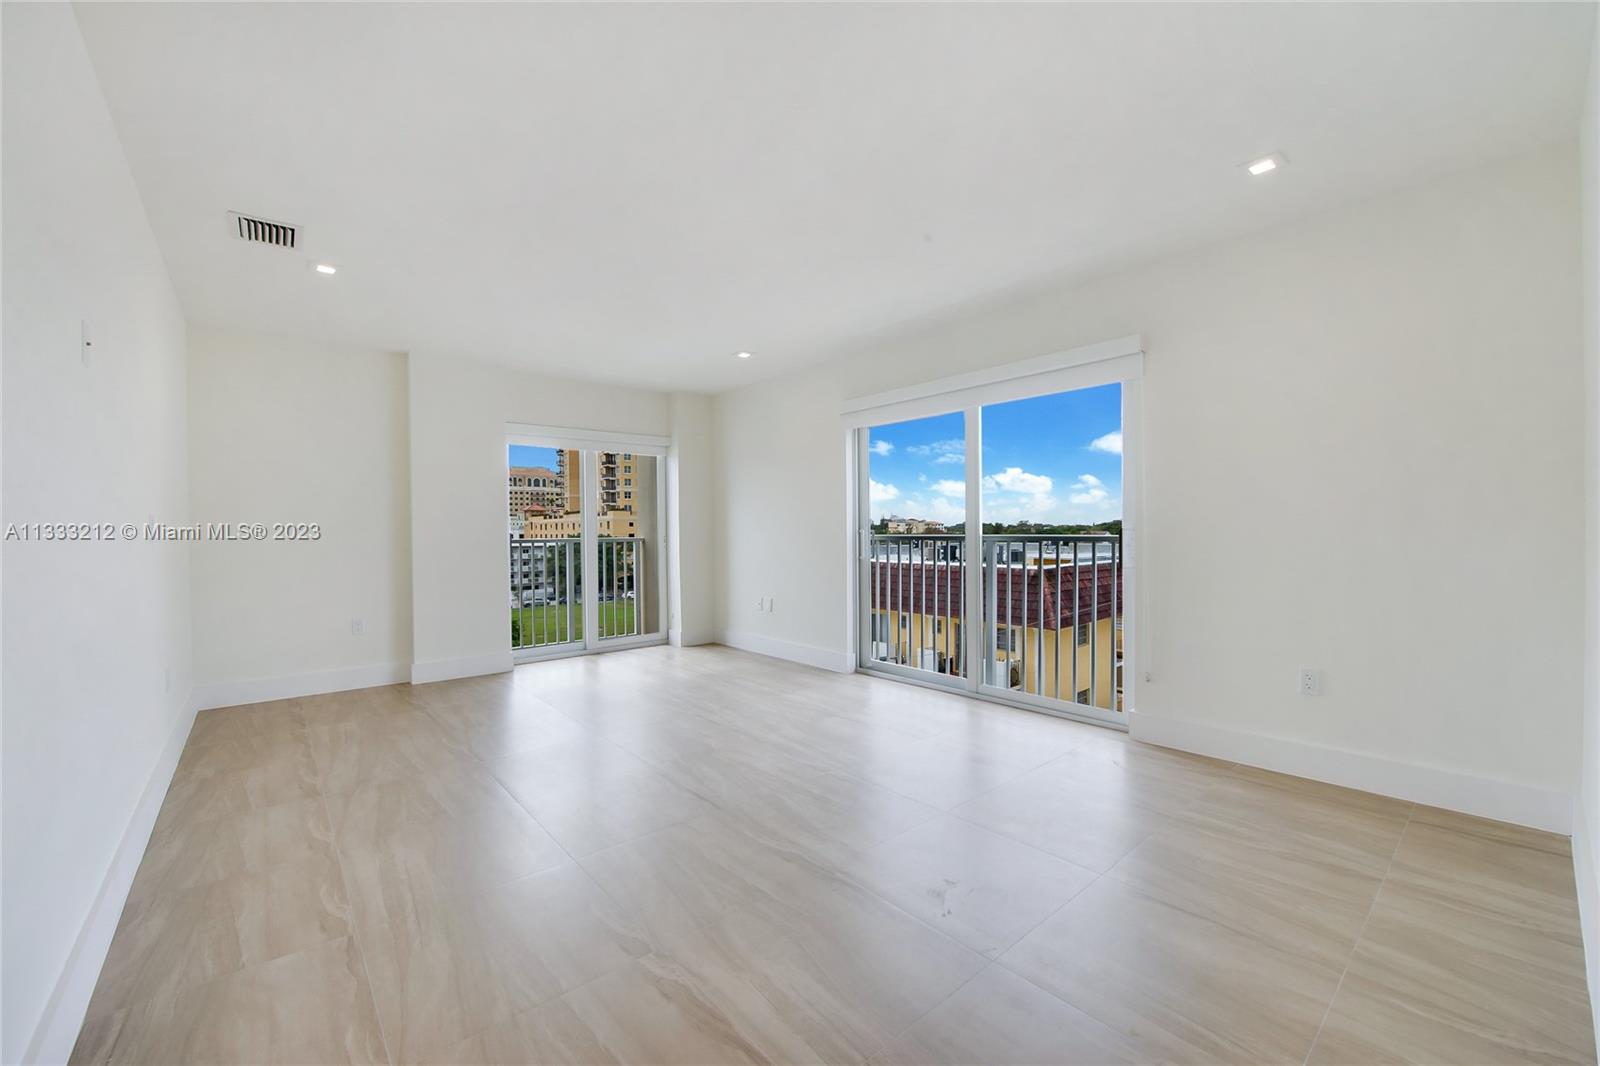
column 1004, row 496
column 938, row 508
column 947, row 487
column 1016, row 479
column 882, row 493
column 1111, row 442
column 941, row 451
column 880, row 447
column 1088, row 491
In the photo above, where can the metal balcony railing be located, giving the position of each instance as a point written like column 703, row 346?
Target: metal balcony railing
column 546, row 587
column 546, row 592
column 621, row 580
column 918, row 607
column 1051, row 612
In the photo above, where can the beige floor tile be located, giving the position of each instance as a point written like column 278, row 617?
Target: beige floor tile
column 498, row 728
column 1307, row 819
column 447, row 961
column 199, row 795
column 1178, row 986
column 941, row 773
column 253, row 721
column 368, row 749
column 310, row 1007
column 652, row 1011
column 618, row 813
column 188, row 936
column 185, row 853
column 1501, row 832
column 466, row 831
column 1473, row 953
column 979, row 888
column 1085, row 827
column 1000, row 1019
column 1312, row 905
column 837, row 962
column 1473, row 876
column 550, row 1034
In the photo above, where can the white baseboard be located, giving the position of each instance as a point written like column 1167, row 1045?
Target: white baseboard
column 64, row 1011
column 806, row 654
column 1503, row 801
column 692, row 638
column 467, row 666
column 261, row 690
column 1583, row 869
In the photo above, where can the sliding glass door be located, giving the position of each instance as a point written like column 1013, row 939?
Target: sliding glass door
column 584, row 535
column 992, row 557
column 915, row 596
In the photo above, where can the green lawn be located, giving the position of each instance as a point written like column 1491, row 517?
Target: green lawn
column 549, row 623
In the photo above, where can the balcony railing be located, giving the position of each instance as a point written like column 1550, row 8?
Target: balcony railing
column 546, row 585
column 1051, row 612
column 546, row 592
column 621, row 580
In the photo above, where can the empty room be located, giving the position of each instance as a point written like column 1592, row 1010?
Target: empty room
column 799, row 533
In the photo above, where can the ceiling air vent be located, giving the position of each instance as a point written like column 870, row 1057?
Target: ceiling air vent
column 263, row 231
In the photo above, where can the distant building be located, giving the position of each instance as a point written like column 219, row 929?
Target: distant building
column 1049, row 638
column 913, row 526
column 535, row 489
column 610, row 524
column 618, row 480
column 545, row 504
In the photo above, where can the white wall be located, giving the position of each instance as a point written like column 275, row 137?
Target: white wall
column 288, row 431
column 1586, row 817
column 96, row 635
column 691, row 529
column 459, row 411
column 1407, row 365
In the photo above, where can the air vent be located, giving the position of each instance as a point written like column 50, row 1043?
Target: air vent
column 263, row 231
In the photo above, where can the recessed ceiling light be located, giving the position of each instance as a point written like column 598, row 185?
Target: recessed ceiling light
column 325, row 268
column 1266, row 164
column 743, row 355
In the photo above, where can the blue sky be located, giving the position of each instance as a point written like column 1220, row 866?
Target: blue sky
column 525, row 455
column 1054, row 458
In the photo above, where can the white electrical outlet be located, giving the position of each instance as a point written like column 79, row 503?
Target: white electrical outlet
column 761, row 604
column 771, row 604
column 358, row 627
column 1310, row 682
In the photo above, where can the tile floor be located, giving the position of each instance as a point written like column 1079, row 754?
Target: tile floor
column 703, row 856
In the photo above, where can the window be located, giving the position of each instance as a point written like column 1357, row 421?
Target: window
column 1005, row 638
column 1083, row 633
column 1083, row 696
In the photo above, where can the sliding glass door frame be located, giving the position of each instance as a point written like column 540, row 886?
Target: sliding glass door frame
column 975, row 624
column 592, row 444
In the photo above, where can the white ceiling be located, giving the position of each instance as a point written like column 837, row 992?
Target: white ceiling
column 635, row 193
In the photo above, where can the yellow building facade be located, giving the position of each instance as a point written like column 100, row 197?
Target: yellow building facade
column 915, row 621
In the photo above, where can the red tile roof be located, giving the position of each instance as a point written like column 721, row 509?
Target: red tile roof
column 935, row 588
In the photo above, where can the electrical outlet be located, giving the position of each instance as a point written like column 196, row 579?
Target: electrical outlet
column 358, row 627
column 1310, row 682
column 771, row 604
column 761, row 604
